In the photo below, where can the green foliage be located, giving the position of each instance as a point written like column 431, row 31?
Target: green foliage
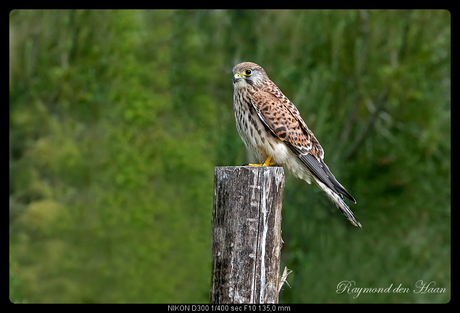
column 117, row 119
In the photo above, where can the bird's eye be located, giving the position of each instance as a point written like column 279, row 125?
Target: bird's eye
column 247, row 72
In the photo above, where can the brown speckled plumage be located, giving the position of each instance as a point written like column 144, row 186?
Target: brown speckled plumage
column 271, row 126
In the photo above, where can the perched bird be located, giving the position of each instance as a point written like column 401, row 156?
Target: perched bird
column 271, row 127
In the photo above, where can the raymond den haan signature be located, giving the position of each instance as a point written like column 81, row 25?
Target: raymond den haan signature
column 421, row 287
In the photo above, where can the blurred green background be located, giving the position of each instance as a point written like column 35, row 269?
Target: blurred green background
column 118, row 118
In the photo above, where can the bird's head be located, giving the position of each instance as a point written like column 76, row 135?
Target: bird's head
column 248, row 73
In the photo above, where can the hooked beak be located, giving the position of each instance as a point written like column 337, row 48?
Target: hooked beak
column 237, row 77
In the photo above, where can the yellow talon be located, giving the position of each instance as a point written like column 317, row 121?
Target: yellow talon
column 268, row 162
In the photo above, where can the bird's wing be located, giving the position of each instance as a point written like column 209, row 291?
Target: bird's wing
column 284, row 121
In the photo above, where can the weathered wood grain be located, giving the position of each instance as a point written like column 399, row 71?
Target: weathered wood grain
column 246, row 227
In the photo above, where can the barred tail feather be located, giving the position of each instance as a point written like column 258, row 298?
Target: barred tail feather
column 341, row 205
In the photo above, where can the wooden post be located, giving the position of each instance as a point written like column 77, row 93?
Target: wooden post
column 246, row 228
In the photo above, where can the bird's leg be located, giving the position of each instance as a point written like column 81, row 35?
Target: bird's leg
column 268, row 162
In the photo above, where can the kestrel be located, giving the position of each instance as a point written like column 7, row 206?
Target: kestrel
column 271, row 127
